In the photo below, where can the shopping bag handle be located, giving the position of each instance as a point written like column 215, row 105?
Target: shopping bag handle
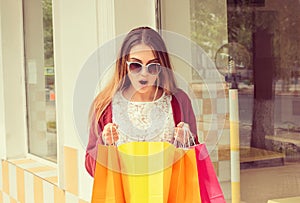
column 186, row 134
column 112, row 137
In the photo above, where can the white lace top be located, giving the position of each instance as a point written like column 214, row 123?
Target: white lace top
column 143, row 121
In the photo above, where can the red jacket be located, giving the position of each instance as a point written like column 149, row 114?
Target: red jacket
column 182, row 112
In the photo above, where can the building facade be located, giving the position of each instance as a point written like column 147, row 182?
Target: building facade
column 47, row 45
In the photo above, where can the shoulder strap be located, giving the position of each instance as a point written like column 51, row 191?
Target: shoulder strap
column 176, row 110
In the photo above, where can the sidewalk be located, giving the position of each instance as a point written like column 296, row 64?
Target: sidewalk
column 262, row 184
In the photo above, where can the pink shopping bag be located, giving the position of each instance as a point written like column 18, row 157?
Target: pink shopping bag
column 210, row 188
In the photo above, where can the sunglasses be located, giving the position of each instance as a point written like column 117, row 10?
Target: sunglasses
column 136, row 67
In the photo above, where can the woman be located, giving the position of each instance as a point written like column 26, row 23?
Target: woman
column 142, row 101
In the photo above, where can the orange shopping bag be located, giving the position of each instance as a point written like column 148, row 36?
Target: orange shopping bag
column 184, row 182
column 196, row 172
column 107, row 186
column 193, row 190
column 177, row 185
column 194, row 179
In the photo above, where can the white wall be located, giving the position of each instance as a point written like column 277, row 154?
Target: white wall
column 75, row 39
column 133, row 13
column 80, row 27
column 176, row 18
column 12, row 104
column 2, row 115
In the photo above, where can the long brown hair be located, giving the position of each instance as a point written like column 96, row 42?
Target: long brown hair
column 120, row 81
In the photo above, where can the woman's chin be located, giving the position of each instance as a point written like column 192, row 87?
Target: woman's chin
column 143, row 89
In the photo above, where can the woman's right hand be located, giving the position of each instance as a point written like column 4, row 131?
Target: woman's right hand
column 110, row 134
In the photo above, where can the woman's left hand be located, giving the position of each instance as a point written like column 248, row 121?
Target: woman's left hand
column 179, row 133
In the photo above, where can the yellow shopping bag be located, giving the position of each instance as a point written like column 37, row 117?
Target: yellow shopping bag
column 146, row 171
column 107, row 186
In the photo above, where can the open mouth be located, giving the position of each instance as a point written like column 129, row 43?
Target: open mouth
column 143, row 82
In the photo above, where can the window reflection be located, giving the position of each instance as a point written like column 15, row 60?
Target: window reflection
column 40, row 79
column 269, row 86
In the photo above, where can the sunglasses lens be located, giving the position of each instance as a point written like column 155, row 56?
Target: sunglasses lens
column 154, row 69
column 135, row 67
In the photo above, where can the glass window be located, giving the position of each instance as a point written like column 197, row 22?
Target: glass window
column 269, row 96
column 40, row 79
column 261, row 39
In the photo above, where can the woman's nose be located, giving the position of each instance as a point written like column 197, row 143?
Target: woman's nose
column 144, row 70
